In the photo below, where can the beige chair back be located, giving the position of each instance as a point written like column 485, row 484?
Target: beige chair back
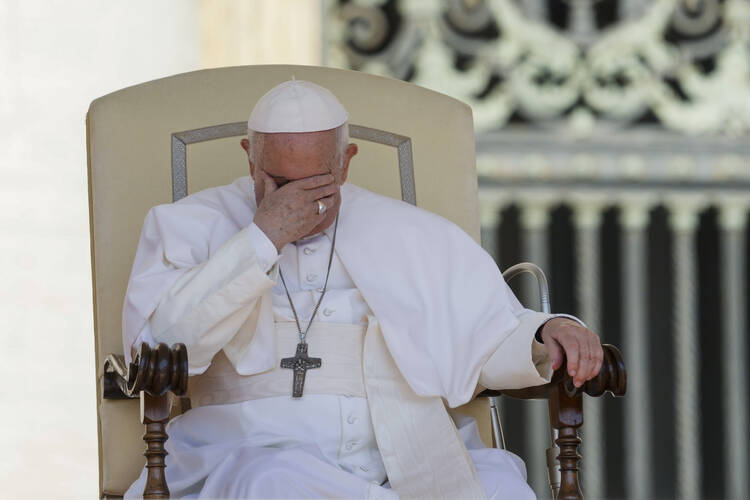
column 157, row 141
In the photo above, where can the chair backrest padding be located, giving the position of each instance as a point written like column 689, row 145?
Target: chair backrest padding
column 130, row 137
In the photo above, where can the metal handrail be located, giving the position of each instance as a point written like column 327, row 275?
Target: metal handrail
column 553, row 470
column 528, row 267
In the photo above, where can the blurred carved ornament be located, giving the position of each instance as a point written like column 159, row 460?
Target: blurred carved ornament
column 580, row 67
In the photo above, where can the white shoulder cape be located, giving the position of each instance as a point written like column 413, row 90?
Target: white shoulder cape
column 440, row 299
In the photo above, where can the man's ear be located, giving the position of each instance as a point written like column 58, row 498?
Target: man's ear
column 246, row 146
column 349, row 153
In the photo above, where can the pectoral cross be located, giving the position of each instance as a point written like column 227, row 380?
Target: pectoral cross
column 300, row 363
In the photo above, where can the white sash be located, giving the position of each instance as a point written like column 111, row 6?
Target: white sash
column 339, row 345
column 423, row 453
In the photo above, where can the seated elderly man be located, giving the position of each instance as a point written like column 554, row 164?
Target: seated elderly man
column 328, row 327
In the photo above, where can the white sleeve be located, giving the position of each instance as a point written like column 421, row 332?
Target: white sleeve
column 521, row 361
column 207, row 304
column 265, row 250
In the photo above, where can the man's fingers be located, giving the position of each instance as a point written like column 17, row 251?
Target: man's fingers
column 598, row 358
column 268, row 183
column 572, row 352
column 582, row 348
column 322, row 191
column 314, row 182
column 555, row 353
column 584, row 362
column 328, row 201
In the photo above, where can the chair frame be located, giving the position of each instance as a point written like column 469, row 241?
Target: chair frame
column 159, row 375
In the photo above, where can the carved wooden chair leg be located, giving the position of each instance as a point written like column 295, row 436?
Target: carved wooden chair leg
column 566, row 412
column 157, row 375
column 155, row 412
column 566, row 415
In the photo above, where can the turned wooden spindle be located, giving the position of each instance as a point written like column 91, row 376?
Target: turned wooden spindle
column 566, row 411
column 566, row 415
column 154, row 415
column 156, row 375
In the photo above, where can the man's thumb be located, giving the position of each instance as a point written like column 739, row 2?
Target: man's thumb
column 268, row 184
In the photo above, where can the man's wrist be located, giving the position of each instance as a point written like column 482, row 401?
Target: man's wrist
column 269, row 233
column 265, row 250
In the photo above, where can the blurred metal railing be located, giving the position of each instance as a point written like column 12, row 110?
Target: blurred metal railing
column 590, row 177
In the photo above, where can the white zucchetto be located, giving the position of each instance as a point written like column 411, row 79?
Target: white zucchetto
column 297, row 106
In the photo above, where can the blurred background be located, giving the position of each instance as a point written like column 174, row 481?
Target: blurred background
column 612, row 149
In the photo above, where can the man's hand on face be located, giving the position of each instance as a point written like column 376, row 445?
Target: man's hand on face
column 580, row 345
column 290, row 212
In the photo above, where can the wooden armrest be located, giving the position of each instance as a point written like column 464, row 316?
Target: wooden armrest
column 155, row 371
column 156, row 375
column 612, row 378
column 566, row 411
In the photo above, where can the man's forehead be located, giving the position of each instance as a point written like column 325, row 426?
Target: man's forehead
column 300, row 138
column 293, row 148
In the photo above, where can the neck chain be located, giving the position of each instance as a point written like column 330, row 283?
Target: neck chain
column 301, row 362
column 303, row 335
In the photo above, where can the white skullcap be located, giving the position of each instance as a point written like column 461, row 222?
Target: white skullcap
column 297, row 106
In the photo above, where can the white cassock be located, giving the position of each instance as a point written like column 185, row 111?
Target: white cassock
column 414, row 317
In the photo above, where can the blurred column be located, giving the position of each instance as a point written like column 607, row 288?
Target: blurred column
column 684, row 211
column 733, row 223
column 587, row 220
column 534, row 222
column 634, row 219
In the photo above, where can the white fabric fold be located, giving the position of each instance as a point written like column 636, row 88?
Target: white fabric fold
column 508, row 367
column 265, row 250
column 421, row 448
column 211, row 300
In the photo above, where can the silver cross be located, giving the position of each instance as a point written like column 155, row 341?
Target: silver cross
column 300, row 363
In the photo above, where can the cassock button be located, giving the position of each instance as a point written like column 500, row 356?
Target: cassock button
column 350, row 445
column 311, row 277
column 309, row 251
column 364, row 468
column 352, row 419
column 328, row 312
